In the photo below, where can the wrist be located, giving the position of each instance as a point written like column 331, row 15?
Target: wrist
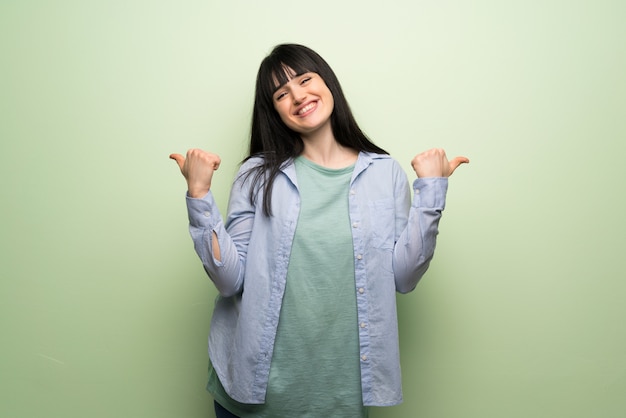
column 197, row 192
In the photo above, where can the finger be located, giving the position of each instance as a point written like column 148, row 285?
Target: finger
column 456, row 162
column 180, row 160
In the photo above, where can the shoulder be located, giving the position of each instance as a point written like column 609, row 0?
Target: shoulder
column 379, row 161
column 251, row 163
column 382, row 169
column 256, row 171
column 259, row 161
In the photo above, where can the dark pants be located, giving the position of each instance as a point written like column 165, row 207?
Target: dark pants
column 221, row 412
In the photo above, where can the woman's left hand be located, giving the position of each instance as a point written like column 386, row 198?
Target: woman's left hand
column 434, row 163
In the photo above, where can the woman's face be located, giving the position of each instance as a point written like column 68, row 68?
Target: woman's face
column 304, row 103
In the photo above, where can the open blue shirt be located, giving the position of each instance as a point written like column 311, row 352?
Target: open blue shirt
column 393, row 239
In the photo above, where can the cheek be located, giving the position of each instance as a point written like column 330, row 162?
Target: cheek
column 283, row 113
column 281, row 110
column 330, row 99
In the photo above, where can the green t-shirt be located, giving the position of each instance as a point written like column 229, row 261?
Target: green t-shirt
column 315, row 366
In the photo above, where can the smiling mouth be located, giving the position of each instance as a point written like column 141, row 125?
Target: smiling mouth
column 306, row 108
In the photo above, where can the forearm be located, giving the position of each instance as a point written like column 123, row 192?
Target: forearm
column 416, row 246
column 214, row 246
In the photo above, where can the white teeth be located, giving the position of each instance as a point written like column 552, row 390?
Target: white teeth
column 306, row 108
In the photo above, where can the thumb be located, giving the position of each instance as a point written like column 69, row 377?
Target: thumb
column 180, row 160
column 456, row 162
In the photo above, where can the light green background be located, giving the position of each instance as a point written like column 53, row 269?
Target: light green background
column 104, row 308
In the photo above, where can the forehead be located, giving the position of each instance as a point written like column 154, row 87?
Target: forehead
column 283, row 75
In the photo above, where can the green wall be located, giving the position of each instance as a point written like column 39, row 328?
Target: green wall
column 104, row 308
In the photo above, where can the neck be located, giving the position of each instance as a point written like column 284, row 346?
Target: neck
column 327, row 152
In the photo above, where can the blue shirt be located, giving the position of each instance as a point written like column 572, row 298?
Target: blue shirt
column 393, row 240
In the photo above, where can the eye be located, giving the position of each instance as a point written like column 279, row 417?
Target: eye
column 305, row 80
column 280, row 95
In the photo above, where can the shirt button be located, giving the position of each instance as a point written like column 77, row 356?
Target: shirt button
column 417, row 191
column 359, row 257
column 207, row 214
column 361, row 290
column 363, row 357
column 352, row 192
column 355, row 225
column 363, row 325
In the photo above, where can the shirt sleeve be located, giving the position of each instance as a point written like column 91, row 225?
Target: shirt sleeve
column 415, row 246
column 205, row 219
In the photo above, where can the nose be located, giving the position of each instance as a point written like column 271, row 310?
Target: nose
column 299, row 95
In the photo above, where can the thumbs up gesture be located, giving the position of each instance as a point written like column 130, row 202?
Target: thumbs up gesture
column 197, row 168
column 434, row 163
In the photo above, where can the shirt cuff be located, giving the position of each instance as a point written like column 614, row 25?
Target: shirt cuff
column 430, row 192
column 203, row 212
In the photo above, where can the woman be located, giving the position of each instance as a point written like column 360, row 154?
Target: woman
column 320, row 235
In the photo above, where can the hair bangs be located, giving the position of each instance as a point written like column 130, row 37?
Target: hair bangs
column 282, row 65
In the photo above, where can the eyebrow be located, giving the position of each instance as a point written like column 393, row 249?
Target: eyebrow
column 288, row 80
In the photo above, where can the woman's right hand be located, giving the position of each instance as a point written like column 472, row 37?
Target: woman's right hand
column 197, row 168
